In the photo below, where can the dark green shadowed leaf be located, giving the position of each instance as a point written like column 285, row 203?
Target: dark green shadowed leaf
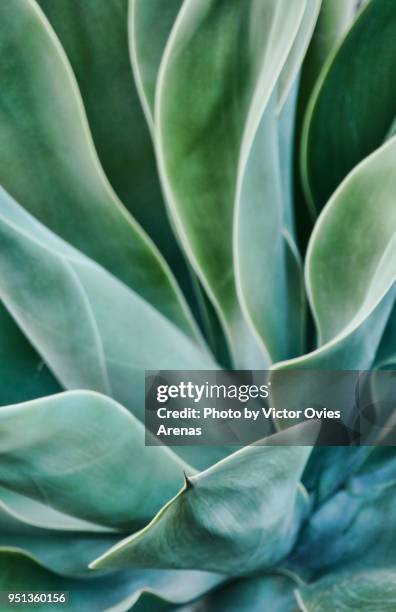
column 267, row 268
column 343, row 128
column 48, row 161
column 72, row 310
column 350, row 279
column 239, row 516
column 24, row 375
column 95, row 38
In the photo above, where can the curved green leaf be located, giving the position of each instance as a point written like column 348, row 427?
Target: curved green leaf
column 363, row 592
column 67, row 553
column 84, row 461
column 351, row 259
column 340, row 130
column 297, row 51
column 267, row 271
column 72, row 310
column 94, row 36
column 238, row 516
column 203, row 151
column 150, row 24
column 43, row 129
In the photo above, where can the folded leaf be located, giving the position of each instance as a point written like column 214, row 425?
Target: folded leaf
column 351, row 260
column 340, row 130
column 363, row 592
column 203, row 151
column 150, row 24
column 238, row 516
column 351, row 272
column 67, row 553
column 94, row 36
column 83, row 462
column 298, row 50
column 72, row 310
column 43, row 129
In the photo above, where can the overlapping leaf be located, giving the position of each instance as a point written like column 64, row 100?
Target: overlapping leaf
column 72, row 310
column 83, row 462
column 48, row 161
column 251, row 45
column 340, row 130
column 238, row 516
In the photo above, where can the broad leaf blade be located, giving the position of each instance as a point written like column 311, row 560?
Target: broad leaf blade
column 70, row 464
column 223, row 101
column 43, row 129
column 239, row 516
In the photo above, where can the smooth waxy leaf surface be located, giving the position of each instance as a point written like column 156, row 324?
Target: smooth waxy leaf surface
column 19, row 572
column 62, row 183
column 267, row 268
column 236, row 517
column 72, row 310
column 362, row 592
column 340, row 130
column 298, row 50
column 272, row 592
column 94, row 36
column 84, row 462
column 115, row 593
column 150, row 24
column 250, row 44
column 351, row 269
column 65, row 552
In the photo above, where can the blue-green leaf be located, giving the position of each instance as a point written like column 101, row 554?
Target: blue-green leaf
column 238, row 516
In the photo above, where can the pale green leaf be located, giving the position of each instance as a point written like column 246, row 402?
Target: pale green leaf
column 49, row 164
column 88, row 461
column 238, row 516
column 92, row 330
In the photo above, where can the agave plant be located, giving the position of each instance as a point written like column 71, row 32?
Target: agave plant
column 166, row 167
